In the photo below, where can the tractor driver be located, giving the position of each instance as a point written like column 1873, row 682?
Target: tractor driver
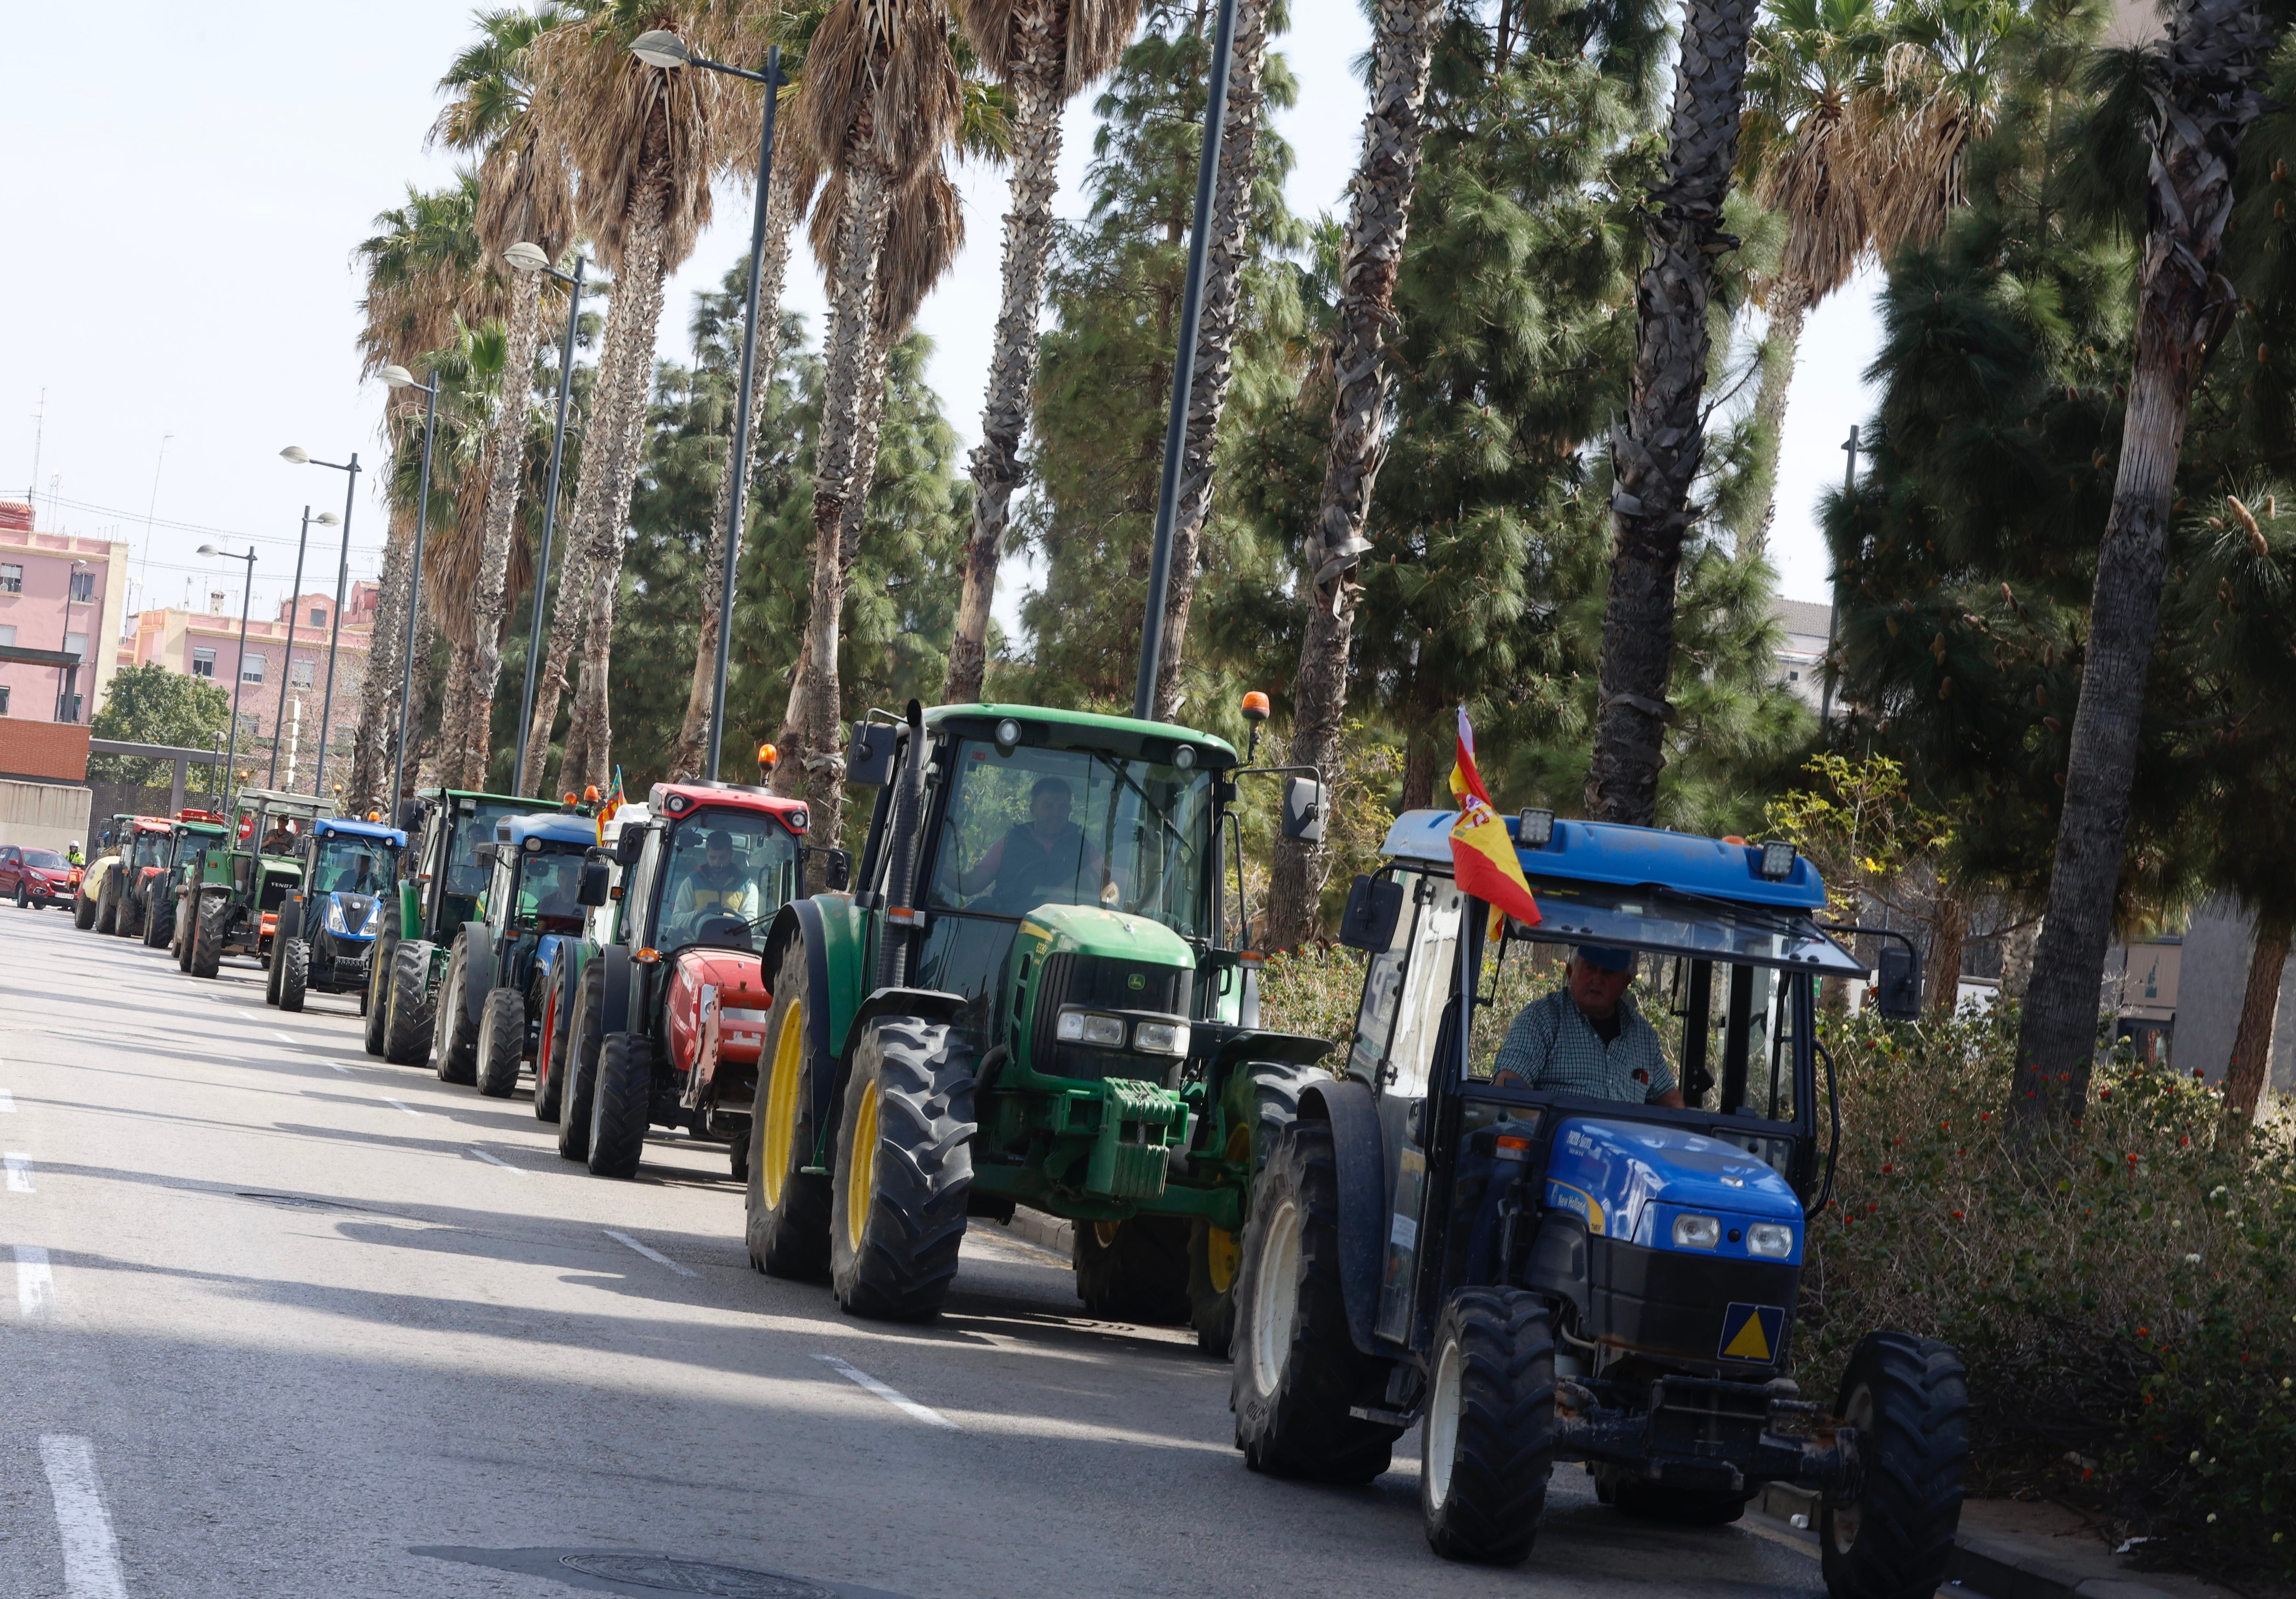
column 281, row 839
column 1038, row 859
column 1586, row 1037
column 718, row 887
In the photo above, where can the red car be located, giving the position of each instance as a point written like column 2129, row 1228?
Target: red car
column 35, row 877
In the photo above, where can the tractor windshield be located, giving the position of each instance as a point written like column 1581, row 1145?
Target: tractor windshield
column 347, row 864
column 151, row 849
column 544, row 897
column 724, row 875
column 1075, row 827
column 463, row 874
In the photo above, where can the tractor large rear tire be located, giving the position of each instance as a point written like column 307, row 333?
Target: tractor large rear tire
column 1214, row 1252
column 1299, row 1372
column 407, row 1023
column 787, row 1214
column 130, row 922
column 107, row 905
column 903, row 1170
column 454, row 1035
column 187, row 927
column 1909, row 1398
column 1133, row 1271
column 619, row 1104
column 1487, row 1445
column 292, row 962
column 83, row 911
column 502, row 1040
column 550, row 1045
column 374, row 1007
column 207, row 939
column 584, row 1042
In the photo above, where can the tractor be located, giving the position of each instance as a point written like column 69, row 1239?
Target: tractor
column 327, row 926
column 1041, row 992
column 562, row 982
column 144, row 843
column 243, row 889
column 437, row 892
column 655, row 1004
column 191, row 836
column 1531, row 1272
column 87, row 891
column 490, row 1008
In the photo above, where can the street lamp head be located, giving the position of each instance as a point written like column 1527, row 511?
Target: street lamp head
column 296, row 454
column 209, row 549
column 526, row 257
column 327, row 519
column 397, row 377
column 659, row 47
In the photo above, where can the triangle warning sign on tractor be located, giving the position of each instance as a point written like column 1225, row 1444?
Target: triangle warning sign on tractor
column 1751, row 1333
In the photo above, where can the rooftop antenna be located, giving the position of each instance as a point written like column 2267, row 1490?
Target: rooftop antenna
column 39, row 435
column 144, row 568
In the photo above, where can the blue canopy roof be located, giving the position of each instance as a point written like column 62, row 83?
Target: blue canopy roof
column 1627, row 857
column 329, row 826
column 551, row 826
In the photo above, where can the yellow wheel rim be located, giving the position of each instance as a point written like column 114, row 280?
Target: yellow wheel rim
column 861, row 1167
column 1222, row 1251
column 781, row 1104
column 1105, row 1233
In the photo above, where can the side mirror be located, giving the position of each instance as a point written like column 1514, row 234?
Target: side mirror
column 410, row 817
column 869, row 758
column 1303, row 809
column 836, row 868
column 628, row 845
column 1898, row 990
column 1374, row 905
column 590, row 890
column 485, row 853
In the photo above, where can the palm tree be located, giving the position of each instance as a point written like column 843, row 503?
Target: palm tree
column 1402, row 49
column 524, row 195
column 1656, row 447
column 644, row 142
column 2203, row 97
column 880, row 97
column 1045, row 52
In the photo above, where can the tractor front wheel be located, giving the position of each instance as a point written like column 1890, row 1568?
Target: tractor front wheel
column 155, row 920
column 107, row 905
column 83, row 910
column 502, row 1040
column 1299, row 1374
column 586, row 1039
column 903, row 1170
column 455, row 1037
column 1267, row 1096
column 1908, row 1398
column 550, row 1047
column 619, row 1104
column 292, row 962
column 406, row 1021
column 1133, row 1271
column 187, row 922
column 207, row 939
column 130, row 922
column 787, row 1207
column 1487, row 1443
column 374, row 1006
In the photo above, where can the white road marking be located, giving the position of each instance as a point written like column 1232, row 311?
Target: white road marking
column 250, row 1015
column 892, row 1396
column 282, row 1037
column 19, row 1171
column 339, row 1066
column 7, row 1102
column 494, row 1161
column 91, row 1557
column 656, row 1256
column 35, row 1285
column 402, row 1105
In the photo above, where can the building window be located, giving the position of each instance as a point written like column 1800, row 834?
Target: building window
column 298, row 673
column 83, row 587
column 250, row 724
column 1793, row 676
column 318, row 615
column 202, row 664
column 75, row 644
column 12, row 579
column 68, row 708
column 250, row 668
column 7, row 636
column 3, row 698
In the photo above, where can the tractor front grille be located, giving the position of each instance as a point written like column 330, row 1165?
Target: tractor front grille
column 1103, row 984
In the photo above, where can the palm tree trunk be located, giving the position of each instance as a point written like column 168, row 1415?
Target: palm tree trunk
column 565, row 630
column 691, row 758
column 1225, row 251
column 1790, row 305
column 1654, row 456
column 471, row 752
column 2259, row 1009
column 854, row 365
column 1402, row 49
column 2202, row 103
column 996, row 472
column 1948, row 939
column 378, row 722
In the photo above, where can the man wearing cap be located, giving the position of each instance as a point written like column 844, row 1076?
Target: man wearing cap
column 1588, row 1038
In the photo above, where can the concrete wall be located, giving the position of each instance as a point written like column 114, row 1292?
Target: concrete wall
column 42, row 816
column 2214, row 982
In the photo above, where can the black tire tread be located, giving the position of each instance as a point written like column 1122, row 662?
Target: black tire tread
column 206, row 938
column 588, row 1038
column 907, row 1255
column 454, row 1036
column 1140, row 1275
column 1917, row 1459
column 294, row 966
column 406, row 1021
column 619, row 1104
column 1276, row 1089
column 502, row 1040
column 1505, row 1448
column 550, row 1074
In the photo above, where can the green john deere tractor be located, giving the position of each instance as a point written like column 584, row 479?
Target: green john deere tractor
column 445, row 827
column 244, row 886
column 192, row 834
column 1039, row 992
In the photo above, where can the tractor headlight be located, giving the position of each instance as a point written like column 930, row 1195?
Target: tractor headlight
column 335, row 922
column 1696, row 1232
column 1161, row 1038
column 1768, row 1238
column 1082, row 1027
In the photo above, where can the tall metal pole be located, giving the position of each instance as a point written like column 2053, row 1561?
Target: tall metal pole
column 740, row 467
column 549, row 521
column 287, row 672
column 1184, row 368
column 1833, row 611
column 414, row 599
column 238, row 675
column 342, row 576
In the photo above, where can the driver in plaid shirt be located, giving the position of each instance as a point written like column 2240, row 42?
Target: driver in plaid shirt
column 1586, row 1037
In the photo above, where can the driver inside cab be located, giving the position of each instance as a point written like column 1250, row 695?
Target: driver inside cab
column 1038, row 859
column 279, row 839
column 1586, row 1037
column 718, row 887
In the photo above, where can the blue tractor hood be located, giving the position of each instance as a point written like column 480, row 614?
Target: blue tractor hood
column 1629, row 1180
column 353, row 916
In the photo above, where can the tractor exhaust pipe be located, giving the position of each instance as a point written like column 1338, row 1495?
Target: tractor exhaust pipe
column 902, row 917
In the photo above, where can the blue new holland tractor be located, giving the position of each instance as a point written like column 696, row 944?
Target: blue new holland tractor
column 1534, row 1274
column 490, row 1007
column 324, row 936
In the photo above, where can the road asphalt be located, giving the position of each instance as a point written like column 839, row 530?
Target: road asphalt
column 288, row 1322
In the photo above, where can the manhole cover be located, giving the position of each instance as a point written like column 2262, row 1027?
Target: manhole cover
column 694, row 1577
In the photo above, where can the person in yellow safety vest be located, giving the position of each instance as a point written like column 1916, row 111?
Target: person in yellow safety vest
column 719, row 886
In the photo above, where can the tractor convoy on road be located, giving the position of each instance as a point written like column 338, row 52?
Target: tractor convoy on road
column 1036, row 985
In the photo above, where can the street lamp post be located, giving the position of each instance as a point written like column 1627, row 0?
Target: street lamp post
column 68, row 677
column 660, row 48
column 529, row 258
column 302, row 458
column 238, row 667
column 398, row 377
column 325, row 518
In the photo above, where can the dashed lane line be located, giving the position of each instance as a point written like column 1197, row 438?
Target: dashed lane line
column 402, row 1105
column 91, row 1556
column 282, row 1037
column 7, row 1102
column 497, row 1160
column 19, row 1171
column 36, row 1285
column 654, row 1255
column 891, row 1395
column 339, row 1066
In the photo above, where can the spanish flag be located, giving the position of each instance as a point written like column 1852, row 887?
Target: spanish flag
column 1483, row 855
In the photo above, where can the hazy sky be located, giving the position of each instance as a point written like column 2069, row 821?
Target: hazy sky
column 182, row 217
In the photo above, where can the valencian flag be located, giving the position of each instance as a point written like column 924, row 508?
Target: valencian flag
column 1483, row 855
column 613, row 801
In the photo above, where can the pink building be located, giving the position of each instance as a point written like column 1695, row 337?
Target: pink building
column 205, row 645
column 60, row 601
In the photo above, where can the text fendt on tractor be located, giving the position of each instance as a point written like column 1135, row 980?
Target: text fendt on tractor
column 1535, row 1276
column 1039, row 993
column 190, row 837
column 437, row 890
column 244, row 886
column 653, row 1019
column 325, row 937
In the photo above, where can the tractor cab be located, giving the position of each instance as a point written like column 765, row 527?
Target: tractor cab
column 244, row 888
column 1594, row 1147
column 326, row 927
column 534, row 869
column 438, row 887
column 192, row 835
column 145, row 845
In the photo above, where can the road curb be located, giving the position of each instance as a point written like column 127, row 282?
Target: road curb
column 1045, row 1231
column 1997, row 1568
